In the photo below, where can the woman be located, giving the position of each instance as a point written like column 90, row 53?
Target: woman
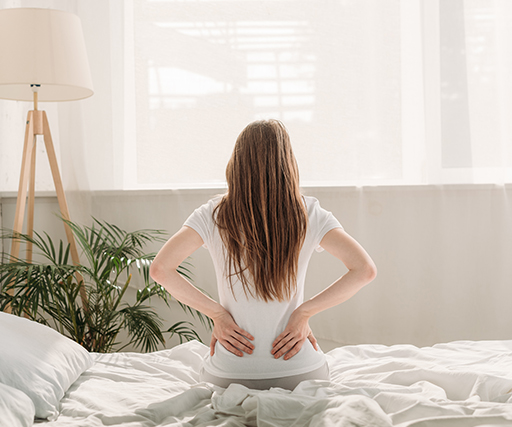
column 261, row 235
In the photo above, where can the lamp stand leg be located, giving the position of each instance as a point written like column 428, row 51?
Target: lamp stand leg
column 61, row 197
column 28, row 150
column 37, row 124
column 31, row 200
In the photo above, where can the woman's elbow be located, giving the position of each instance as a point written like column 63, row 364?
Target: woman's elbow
column 160, row 271
column 369, row 272
column 155, row 271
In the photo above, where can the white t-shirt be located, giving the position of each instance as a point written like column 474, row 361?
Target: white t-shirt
column 263, row 320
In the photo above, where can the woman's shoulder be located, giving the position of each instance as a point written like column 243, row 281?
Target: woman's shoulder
column 204, row 212
column 202, row 220
column 211, row 204
column 311, row 203
column 316, row 213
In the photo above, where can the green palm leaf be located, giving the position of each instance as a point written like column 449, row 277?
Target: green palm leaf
column 48, row 291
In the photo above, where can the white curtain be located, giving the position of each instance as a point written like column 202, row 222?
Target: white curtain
column 373, row 92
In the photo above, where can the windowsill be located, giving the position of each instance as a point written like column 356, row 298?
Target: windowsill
column 307, row 189
column 38, row 194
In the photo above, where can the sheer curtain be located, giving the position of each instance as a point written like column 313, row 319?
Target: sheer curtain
column 468, row 88
column 329, row 70
column 373, row 92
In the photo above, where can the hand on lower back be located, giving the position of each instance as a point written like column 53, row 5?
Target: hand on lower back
column 291, row 340
column 230, row 335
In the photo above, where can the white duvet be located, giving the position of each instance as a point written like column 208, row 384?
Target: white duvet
column 462, row 383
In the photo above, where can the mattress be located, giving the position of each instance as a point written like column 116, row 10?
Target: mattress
column 462, row 383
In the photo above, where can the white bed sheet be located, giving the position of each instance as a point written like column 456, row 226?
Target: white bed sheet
column 462, row 383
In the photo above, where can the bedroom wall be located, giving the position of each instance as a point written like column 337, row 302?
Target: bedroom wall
column 443, row 255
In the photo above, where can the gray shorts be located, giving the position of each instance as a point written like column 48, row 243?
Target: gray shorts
column 288, row 383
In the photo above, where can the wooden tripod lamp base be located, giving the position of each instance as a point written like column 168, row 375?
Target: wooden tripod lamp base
column 37, row 124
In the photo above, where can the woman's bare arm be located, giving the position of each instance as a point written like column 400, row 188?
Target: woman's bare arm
column 361, row 271
column 164, row 271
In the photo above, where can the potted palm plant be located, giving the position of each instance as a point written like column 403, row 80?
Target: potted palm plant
column 48, row 291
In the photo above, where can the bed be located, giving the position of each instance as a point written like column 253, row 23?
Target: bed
column 462, row 383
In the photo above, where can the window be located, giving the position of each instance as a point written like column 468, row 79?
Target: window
column 205, row 69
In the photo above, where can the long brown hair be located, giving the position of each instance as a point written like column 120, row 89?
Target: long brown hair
column 262, row 219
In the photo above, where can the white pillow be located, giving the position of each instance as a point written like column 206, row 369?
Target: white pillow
column 39, row 361
column 16, row 408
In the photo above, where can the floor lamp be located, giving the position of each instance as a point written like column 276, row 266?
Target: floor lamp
column 43, row 58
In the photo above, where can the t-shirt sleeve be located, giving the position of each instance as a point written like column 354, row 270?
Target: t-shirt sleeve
column 323, row 222
column 201, row 221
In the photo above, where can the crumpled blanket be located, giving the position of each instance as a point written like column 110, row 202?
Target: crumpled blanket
column 463, row 383
column 310, row 404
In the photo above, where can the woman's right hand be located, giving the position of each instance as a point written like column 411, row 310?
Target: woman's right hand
column 230, row 335
column 291, row 340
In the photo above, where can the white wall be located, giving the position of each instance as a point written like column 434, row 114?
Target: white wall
column 443, row 255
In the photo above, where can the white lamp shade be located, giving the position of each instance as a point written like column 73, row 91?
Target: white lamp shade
column 45, row 47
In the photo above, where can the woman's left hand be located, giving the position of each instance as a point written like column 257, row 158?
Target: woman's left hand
column 230, row 335
column 291, row 340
